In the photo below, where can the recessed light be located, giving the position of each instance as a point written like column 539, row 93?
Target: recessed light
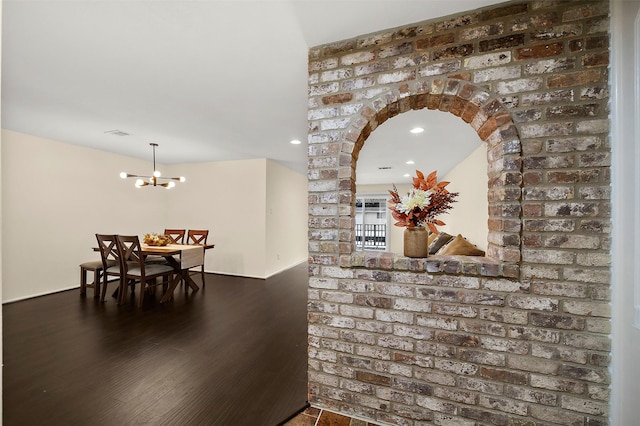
column 406, row 175
column 416, row 130
column 295, row 142
column 411, row 162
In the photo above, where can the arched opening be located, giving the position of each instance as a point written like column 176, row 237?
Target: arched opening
column 425, row 140
column 493, row 125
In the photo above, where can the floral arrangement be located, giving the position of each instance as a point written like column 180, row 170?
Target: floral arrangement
column 156, row 240
column 423, row 203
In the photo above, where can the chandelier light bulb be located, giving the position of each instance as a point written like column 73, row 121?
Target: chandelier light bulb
column 171, row 185
column 139, row 183
column 182, row 179
column 156, row 173
column 123, row 175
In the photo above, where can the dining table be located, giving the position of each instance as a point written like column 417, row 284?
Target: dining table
column 181, row 257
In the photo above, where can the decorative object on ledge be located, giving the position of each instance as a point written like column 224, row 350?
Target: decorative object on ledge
column 155, row 177
column 415, row 241
column 156, row 240
column 428, row 199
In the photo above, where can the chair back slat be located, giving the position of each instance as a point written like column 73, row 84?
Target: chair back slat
column 129, row 251
column 175, row 235
column 108, row 245
column 197, row 236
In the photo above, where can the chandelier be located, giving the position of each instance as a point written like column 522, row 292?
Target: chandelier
column 154, row 179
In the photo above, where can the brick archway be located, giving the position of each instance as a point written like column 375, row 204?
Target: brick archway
column 494, row 126
column 463, row 338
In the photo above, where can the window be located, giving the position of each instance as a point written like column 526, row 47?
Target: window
column 371, row 223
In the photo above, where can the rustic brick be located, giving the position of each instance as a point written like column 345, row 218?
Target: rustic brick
column 500, row 73
column 556, row 96
column 372, row 378
column 567, row 289
column 549, row 66
column 536, row 396
column 584, row 11
column 503, row 375
column 482, row 31
column 592, row 126
column 560, row 112
column 559, row 31
column 519, row 86
column 534, row 334
column 504, row 11
column 548, row 414
column 584, row 373
column 539, row 51
column 503, row 404
column 592, row 342
column 435, row 404
column 439, row 68
column 571, row 209
column 455, row 22
column 566, row 322
column 587, row 308
column 556, row 384
column 555, row 352
column 595, row 59
column 597, row 42
column 460, row 51
column 435, row 41
column 485, row 416
column 395, row 50
column 574, row 79
column 488, row 60
column 501, row 43
column 457, row 339
column 584, row 405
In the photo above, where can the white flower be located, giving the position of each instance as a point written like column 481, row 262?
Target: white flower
column 415, row 198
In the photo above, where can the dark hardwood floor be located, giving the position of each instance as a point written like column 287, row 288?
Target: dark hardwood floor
column 233, row 354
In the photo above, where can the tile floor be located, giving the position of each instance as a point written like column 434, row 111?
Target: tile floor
column 317, row 417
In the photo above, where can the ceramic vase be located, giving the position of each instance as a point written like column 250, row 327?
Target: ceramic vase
column 415, row 242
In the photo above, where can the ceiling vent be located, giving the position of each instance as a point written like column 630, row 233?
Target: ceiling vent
column 117, row 132
column 384, row 168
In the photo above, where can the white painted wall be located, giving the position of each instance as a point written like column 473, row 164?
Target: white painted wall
column 286, row 218
column 59, row 195
column 55, row 197
column 625, row 176
column 227, row 198
column 470, row 213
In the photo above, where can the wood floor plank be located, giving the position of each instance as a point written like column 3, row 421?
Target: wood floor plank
column 233, row 353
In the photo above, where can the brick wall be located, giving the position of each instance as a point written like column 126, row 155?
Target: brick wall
column 518, row 337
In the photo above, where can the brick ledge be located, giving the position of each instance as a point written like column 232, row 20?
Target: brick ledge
column 452, row 265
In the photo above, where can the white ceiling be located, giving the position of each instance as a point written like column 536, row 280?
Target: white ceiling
column 206, row 80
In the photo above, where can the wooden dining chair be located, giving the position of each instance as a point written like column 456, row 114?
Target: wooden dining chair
column 198, row 236
column 94, row 266
column 176, row 235
column 135, row 269
column 108, row 246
